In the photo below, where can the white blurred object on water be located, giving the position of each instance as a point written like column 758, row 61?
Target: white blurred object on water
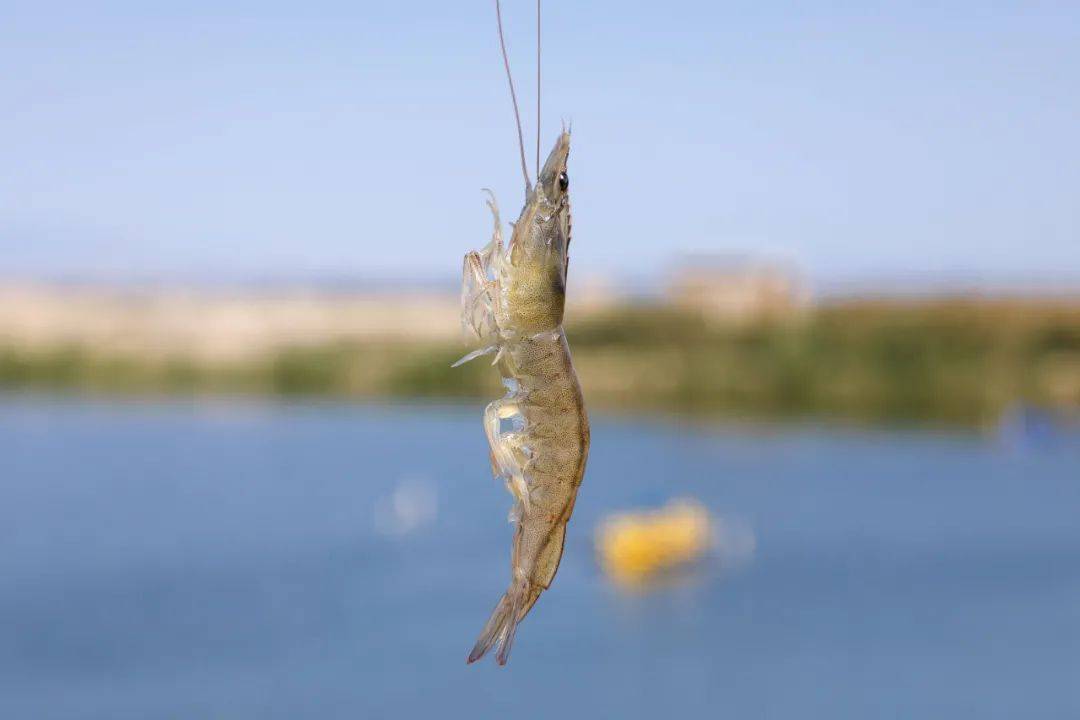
column 413, row 504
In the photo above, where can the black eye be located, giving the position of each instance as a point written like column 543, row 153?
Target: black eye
column 564, row 181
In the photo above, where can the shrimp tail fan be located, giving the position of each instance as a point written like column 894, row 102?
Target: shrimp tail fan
column 500, row 629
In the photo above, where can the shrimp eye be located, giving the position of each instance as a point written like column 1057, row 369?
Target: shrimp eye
column 564, row 181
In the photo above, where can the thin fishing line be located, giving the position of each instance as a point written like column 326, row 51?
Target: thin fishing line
column 513, row 98
column 537, row 90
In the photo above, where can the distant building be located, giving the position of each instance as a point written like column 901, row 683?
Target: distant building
column 737, row 291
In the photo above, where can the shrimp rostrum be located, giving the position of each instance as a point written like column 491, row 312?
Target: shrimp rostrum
column 512, row 307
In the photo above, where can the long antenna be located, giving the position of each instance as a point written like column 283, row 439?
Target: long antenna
column 537, row 90
column 513, row 97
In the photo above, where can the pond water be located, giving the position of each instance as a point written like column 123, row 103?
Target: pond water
column 242, row 559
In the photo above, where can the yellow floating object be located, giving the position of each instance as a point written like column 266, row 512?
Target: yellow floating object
column 632, row 547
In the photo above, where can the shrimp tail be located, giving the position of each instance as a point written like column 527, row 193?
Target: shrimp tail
column 501, row 627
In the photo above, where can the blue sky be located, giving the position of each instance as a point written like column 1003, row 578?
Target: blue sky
column 249, row 139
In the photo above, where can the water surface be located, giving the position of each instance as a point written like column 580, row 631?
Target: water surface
column 260, row 560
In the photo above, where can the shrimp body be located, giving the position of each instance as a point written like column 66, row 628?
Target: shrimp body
column 512, row 305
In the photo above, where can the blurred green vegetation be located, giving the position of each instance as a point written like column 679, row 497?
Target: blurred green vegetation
column 956, row 361
column 962, row 361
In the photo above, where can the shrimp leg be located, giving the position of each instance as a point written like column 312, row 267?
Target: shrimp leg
column 479, row 287
column 508, row 450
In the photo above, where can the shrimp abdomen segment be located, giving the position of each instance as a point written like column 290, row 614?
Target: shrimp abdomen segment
column 547, row 562
column 523, row 593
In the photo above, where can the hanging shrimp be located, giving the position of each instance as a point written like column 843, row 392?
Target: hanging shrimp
column 512, row 306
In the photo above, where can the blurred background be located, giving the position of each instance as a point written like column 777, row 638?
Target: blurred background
column 824, row 301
